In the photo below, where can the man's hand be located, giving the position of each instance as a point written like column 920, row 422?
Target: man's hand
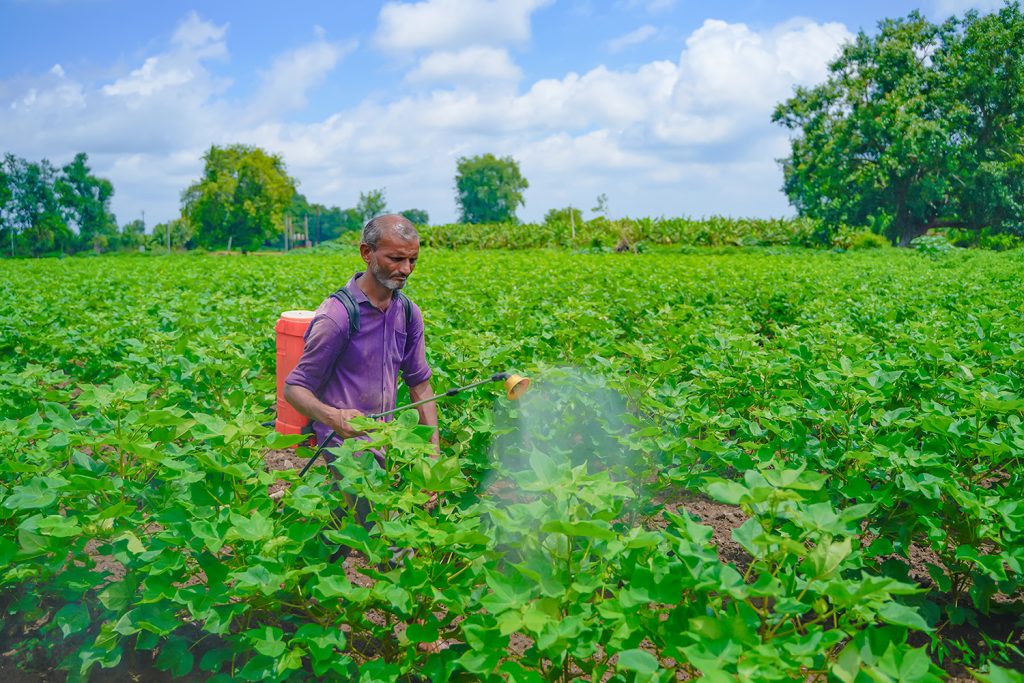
column 306, row 402
column 339, row 422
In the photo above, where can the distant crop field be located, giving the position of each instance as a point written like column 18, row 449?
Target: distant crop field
column 748, row 464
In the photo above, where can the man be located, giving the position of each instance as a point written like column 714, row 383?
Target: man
column 340, row 375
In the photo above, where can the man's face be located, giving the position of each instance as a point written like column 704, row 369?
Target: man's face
column 392, row 261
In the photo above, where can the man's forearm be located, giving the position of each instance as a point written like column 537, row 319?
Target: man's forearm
column 427, row 411
column 306, row 402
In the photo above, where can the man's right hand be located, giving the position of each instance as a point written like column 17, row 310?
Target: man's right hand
column 306, row 402
column 339, row 422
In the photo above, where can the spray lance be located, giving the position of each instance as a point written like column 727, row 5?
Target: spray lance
column 515, row 387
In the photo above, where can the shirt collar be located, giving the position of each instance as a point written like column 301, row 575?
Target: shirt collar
column 356, row 291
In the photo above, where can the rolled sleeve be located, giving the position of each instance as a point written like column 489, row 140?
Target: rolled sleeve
column 414, row 362
column 322, row 345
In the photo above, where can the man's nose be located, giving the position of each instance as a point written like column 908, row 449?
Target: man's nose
column 405, row 267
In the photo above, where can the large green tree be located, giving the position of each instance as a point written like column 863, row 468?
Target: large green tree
column 416, row 216
column 371, row 204
column 916, row 127
column 488, row 189
column 241, row 198
column 33, row 213
column 85, row 201
column 6, row 226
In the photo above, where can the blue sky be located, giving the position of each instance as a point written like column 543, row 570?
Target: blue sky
column 662, row 105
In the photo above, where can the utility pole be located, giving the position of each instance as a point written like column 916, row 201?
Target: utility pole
column 305, row 228
column 319, row 236
column 287, row 229
column 168, row 231
column 572, row 222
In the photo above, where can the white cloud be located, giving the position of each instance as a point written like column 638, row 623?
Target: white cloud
column 286, row 84
column 198, row 35
column 477, row 65
column 194, row 41
column 730, row 76
column 54, row 90
column 634, row 37
column 446, row 24
column 153, row 76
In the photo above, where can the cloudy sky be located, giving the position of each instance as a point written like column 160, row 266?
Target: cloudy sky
column 662, row 105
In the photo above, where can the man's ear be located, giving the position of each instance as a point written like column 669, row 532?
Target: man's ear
column 365, row 251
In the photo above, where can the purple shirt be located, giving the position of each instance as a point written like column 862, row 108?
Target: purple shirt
column 361, row 372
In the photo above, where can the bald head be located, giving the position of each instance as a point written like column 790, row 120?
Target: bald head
column 390, row 223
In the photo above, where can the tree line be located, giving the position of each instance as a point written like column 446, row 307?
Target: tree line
column 245, row 199
column 45, row 209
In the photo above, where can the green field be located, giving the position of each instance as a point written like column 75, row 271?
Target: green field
column 860, row 415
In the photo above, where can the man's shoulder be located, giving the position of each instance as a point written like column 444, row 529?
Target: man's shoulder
column 333, row 310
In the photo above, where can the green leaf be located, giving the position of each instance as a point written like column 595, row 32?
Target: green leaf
column 587, row 528
column 277, row 441
column 901, row 615
column 176, row 658
column 118, row 595
column 255, row 527
column 640, row 661
column 31, row 496
column 267, row 641
column 422, row 633
column 59, row 526
column 725, row 491
column 209, row 532
column 72, row 618
column 541, row 613
column 328, row 587
column 134, row 545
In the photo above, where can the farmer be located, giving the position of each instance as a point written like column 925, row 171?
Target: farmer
column 345, row 373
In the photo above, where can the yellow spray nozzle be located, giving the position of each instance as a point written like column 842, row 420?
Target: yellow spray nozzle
column 516, row 386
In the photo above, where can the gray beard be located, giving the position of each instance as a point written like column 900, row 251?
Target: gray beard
column 390, row 285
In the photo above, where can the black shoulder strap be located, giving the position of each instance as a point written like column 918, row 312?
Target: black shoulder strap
column 345, row 297
column 406, row 304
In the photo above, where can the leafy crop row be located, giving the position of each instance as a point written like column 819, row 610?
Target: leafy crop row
column 624, row 233
column 860, row 411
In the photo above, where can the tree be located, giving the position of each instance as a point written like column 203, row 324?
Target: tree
column 915, row 128
column 33, row 211
column 177, row 230
column 601, row 205
column 6, row 228
column 349, row 220
column 417, row 216
column 568, row 215
column 85, row 202
column 371, row 204
column 132, row 234
column 488, row 189
column 985, row 68
column 241, row 198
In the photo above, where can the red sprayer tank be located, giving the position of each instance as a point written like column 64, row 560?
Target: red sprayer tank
column 290, row 328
